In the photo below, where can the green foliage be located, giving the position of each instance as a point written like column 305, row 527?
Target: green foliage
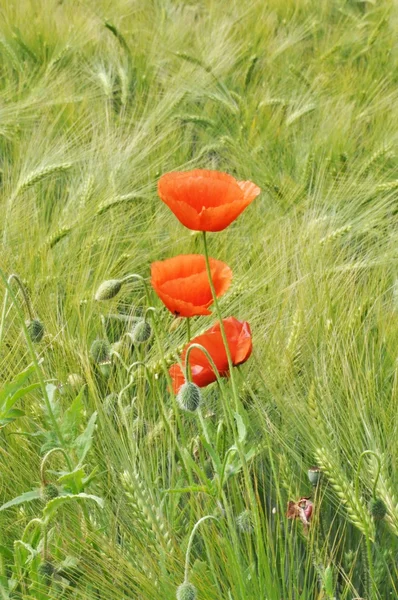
column 97, row 100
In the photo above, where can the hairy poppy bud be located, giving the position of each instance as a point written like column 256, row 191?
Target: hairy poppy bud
column 108, row 289
column 189, row 396
column 314, row 475
column 187, row 591
column 49, row 492
column 244, row 521
column 35, row 329
column 46, row 569
column 377, row 508
column 141, row 332
column 100, row 351
column 75, row 381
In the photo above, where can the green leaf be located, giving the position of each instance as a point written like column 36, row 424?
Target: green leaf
column 73, row 480
column 83, row 443
column 52, row 506
column 73, row 416
column 26, row 497
column 19, row 394
column 6, row 552
column 241, row 427
column 14, row 386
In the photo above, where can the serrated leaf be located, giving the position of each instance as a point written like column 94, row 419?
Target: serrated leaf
column 73, row 480
column 14, row 386
column 83, row 443
column 26, row 497
column 73, row 416
column 52, row 506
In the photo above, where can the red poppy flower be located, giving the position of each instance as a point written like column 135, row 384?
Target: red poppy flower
column 240, row 345
column 183, row 286
column 205, row 200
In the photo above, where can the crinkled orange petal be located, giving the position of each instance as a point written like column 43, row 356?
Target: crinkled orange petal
column 205, row 200
column 182, row 283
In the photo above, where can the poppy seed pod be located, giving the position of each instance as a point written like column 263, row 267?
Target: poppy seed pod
column 189, row 397
column 377, row 509
column 187, row 591
column 108, row 289
column 141, row 332
column 35, row 329
column 314, row 475
column 100, row 351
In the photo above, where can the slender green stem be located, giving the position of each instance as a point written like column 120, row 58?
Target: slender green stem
column 209, row 358
column 35, row 362
column 3, row 315
column 222, row 328
column 45, row 459
column 188, row 329
column 377, row 457
column 190, row 542
column 15, row 277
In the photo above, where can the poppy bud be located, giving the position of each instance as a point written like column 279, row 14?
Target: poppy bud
column 141, row 332
column 49, row 492
column 100, row 351
column 35, row 329
column 75, row 381
column 108, row 289
column 314, row 475
column 189, row 396
column 187, row 591
column 46, row 569
column 244, row 521
column 377, row 508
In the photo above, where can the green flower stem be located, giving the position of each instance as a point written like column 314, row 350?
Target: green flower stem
column 190, row 542
column 15, row 277
column 36, row 364
column 169, row 383
column 45, row 459
column 222, row 328
column 188, row 329
column 249, row 483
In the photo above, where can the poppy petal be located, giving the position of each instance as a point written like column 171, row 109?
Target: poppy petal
column 182, row 283
column 205, row 200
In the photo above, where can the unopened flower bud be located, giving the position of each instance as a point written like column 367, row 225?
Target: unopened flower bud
column 187, row 591
column 108, row 289
column 100, row 351
column 49, row 492
column 377, row 508
column 35, row 329
column 141, row 332
column 75, row 381
column 189, row 396
column 46, row 569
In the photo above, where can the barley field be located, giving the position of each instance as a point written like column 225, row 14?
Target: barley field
column 276, row 479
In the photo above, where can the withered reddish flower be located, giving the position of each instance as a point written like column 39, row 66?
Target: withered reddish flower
column 183, row 286
column 205, row 200
column 240, row 345
column 302, row 509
